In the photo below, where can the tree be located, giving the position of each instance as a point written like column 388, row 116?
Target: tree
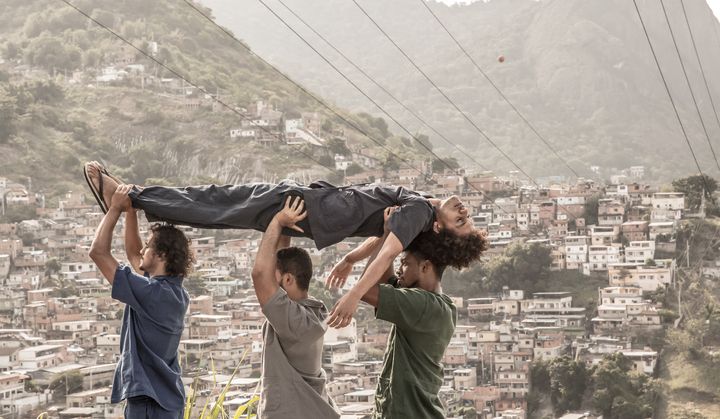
column 522, row 266
column 338, row 146
column 52, row 54
column 439, row 166
column 693, row 188
column 591, row 210
column 195, row 286
column 52, row 267
column 620, row 393
column 67, row 383
column 540, row 375
column 568, row 380
column 7, row 115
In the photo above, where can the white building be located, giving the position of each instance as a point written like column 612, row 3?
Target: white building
column 668, row 200
column 599, row 257
column 638, row 252
column 576, row 251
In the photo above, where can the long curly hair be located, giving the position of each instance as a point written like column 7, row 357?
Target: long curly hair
column 445, row 249
column 171, row 244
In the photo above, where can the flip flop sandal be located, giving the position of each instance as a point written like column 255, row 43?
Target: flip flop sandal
column 113, row 177
column 97, row 192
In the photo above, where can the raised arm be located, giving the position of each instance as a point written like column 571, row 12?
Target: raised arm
column 263, row 273
column 371, row 296
column 375, row 273
column 101, row 248
column 133, row 242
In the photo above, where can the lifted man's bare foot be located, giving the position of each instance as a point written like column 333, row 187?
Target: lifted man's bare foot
column 103, row 184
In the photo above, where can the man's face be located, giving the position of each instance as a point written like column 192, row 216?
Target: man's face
column 149, row 257
column 453, row 217
column 409, row 271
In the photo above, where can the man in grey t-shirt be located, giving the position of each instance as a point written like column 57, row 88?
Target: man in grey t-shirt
column 293, row 381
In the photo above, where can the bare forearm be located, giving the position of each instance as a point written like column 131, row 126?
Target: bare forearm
column 101, row 248
column 378, row 268
column 365, row 249
column 102, row 244
column 133, row 242
column 263, row 273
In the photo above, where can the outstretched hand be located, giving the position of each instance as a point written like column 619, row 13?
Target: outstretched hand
column 342, row 313
column 292, row 213
column 339, row 274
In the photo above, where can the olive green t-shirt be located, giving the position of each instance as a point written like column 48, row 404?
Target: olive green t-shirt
column 423, row 324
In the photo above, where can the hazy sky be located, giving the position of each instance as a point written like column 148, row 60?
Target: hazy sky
column 714, row 4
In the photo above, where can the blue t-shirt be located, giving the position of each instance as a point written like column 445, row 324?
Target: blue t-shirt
column 152, row 326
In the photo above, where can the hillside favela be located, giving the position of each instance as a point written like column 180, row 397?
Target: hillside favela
column 497, row 209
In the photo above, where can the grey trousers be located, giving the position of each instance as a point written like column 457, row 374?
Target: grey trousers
column 249, row 207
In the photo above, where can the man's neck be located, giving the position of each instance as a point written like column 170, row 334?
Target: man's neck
column 158, row 272
column 297, row 295
column 431, row 285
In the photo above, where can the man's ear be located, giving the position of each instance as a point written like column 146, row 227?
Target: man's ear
column 425, row 266
column 288, row 278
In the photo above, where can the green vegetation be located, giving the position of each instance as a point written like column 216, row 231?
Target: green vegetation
column 139, row 127
column 563, row 379
column 694, row 187
column 526, row 267
column 66, row 383
column 612, row 387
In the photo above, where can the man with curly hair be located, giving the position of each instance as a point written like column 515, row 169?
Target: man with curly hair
column 148, row 375
column 334, row 213
column 423, row 321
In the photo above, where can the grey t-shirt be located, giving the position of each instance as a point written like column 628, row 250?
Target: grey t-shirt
column 357, row 211
column 293, row 381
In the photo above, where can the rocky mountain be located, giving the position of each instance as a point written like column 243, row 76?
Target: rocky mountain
column 580, row 70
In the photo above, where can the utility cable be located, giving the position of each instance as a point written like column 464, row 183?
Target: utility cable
column 185, row 79
column 497, row 89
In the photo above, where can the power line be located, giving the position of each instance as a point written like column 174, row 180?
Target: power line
column 687, row 79
column 353, row 84
column 304, row 90
column 492, row 83
column 381, row 87
column 378, row 105
column 667, row 89
column 454, row 104
column 702, row 70
column 186, row 80
column 467, row 118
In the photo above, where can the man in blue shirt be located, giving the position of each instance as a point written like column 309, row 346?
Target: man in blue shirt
column 148, row 375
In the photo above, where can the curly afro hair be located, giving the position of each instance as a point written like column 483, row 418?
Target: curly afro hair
column 445, row 249
column 171, row 244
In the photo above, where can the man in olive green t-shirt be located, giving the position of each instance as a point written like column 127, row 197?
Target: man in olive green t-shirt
column 423, row 321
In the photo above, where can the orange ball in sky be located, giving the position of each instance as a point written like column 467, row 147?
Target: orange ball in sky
column 501, row 59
